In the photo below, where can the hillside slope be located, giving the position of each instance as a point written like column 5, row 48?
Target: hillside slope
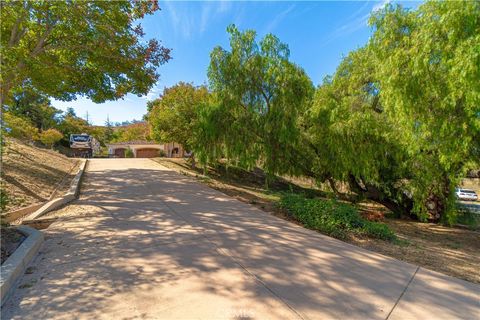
column 30, row 175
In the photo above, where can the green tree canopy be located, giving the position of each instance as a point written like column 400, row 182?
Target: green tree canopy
column 400, row 119
column 131, row 132
column 71, row 124
column 34, row 106
column 174, row 116
column 260, row 95
column 18, row 127
column 91, row 48
column 50, row 137
column 353, row 140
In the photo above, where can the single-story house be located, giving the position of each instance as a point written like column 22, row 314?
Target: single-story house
column 146, row 149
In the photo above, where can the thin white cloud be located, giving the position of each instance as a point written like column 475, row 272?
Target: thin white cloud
column 181, row 21
column 189, row 21
column 239, row 18
column 380, row 5
column 352, row 26
column 152, row 94
column 224, row 6
column 358, row 20
column 279, row 18
column 211, row 10
column 205, row 17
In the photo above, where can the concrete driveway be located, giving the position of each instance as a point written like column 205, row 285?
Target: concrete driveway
column 144, row 242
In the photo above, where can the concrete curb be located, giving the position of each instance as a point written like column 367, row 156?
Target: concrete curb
column 13, row 269
column 58, row 202
column 13, row 215
column 16, row 214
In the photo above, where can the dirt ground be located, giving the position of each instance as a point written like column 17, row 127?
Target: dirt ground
column 10, row 240
column 30, row 174
column 472, row 183
column 452, row 251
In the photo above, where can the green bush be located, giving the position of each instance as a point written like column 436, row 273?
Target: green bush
column 468, row 218
column 129, row 153
column 19, row 128
column 3, row 199
column 333, row 218
column 50, row 137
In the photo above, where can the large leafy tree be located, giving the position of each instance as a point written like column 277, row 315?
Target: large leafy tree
column 428, row 64
column 36, row 107
column 66, row 48
column 400, row 119
column 353, row 140
column 174, row 116
column 139, row 131
column 71, row 124
column 260, row 95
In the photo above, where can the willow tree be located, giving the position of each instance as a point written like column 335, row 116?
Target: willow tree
column 402, row 115
column 428, row 64
column 90, row 48
column 260, row 95
column 353, row 140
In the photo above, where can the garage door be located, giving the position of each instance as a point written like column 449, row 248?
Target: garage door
column 147, row 153
column 120, row 153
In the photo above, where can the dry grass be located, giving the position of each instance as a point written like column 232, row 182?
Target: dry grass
column 447, row 250
column 472, row 183
column 451, row 251
column 30, row 174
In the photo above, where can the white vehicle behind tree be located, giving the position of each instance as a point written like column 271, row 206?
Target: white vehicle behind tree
column 466, row 194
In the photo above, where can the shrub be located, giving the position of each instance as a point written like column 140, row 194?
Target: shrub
column 19, row 128
column 331, row 217
column 3, row 199
column 129, row 153
column 378, row 230
column 50, row 137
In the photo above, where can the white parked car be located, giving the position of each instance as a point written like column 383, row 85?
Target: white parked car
column 466, row 194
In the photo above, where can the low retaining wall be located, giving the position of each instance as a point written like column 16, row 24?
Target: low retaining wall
column 17, row 214
column 61, row 201
column 15, row 266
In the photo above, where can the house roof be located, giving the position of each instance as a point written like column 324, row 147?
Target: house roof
column 133, row 142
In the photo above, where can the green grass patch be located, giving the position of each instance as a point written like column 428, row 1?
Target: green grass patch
column 468, row 218
column 332, row 217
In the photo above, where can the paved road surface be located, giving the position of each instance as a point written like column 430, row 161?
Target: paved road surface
column 143, row 242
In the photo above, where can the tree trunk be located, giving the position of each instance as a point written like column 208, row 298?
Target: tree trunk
column 437, row 203
column 193, row 164
column 331, row 182
column 371, row 192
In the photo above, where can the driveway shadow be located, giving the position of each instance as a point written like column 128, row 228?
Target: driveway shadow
column 149, row 243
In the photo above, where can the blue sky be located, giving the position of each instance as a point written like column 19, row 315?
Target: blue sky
column 319, row 34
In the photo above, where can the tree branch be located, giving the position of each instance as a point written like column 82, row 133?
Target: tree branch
column 15, row 35
column 40, row 46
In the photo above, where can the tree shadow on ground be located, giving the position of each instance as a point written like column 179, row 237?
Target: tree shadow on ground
column 152, row 243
